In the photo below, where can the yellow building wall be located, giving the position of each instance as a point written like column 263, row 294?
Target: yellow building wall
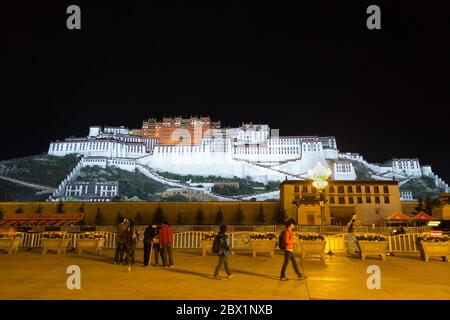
column 368, row 213
column 188, row 210
column 442, row 213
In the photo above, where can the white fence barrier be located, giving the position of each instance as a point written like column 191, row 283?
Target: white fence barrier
column 336, row 243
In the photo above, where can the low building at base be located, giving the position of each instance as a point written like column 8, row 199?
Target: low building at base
column 371, row 201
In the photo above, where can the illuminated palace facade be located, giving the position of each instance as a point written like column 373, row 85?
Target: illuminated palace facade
column 199, row 146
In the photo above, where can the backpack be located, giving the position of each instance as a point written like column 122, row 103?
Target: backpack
column 217, row 244
column 282, row 241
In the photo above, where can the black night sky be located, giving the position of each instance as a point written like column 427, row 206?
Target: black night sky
column 303, row 68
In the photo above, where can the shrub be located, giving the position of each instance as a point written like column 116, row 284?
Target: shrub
column 199, row 216
column 310, row 236
column 370, row 237
column 265, row 236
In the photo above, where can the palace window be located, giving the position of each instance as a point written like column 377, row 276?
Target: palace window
column 368, row 200
column 341, row 200
column 296, row 188
column 377, row 199
column 331, row 189
column 350, row 200
column 359, row 199
column 340, row 189
column 331, row 200
column 358, row 189
column 376, row 189
column 386, row 200
column 385, row 189
column 367, row 189
column 305, row 188
column 350, row 189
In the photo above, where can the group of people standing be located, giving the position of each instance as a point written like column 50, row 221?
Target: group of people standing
column 156, row 238
column 159, row 239
column 126, row 239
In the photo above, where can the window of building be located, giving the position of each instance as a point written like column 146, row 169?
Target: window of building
column 367, row 189
column 305, row 188
column 341, row 200
column 376, row 189
column 368, row 200
column 340, row 189
column 350, row 189
column 386, row 200
column 350, row 200
column 297, row 197
column 385, row 189
column 296, row 188
column 331, row 200
column 377, row 199
column 359, row 199
column 331, row 189
column 358, row 189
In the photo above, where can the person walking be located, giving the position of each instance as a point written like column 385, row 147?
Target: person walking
column 121, row 237
column 166, row 242
column 148, row 242
column 223, row 253
column 288, row 245
column 132, row 239
column 350, row 228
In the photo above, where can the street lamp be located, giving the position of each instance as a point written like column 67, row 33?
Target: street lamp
column 320, row 174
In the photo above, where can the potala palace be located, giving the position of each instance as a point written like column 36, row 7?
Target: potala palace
column 198, row 146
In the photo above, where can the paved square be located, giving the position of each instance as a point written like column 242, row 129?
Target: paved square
column 31, row 275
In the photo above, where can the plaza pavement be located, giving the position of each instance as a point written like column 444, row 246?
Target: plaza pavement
column 31, row 275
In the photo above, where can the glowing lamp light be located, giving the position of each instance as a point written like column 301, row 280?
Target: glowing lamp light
column 434, row 223
column 319, row 174
column 320, row 184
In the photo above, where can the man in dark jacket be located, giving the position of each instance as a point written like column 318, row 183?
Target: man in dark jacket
column 151, row 238
column 223, row 253
column 148, row 240
column 166, row 242
column 131, row 243
column 121, row 238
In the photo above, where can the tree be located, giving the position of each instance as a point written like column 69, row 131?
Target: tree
column 279, row 216
column 138, row 220
column 430, row 204
column 239, row 217
column 179, row 219
column 81, row 208
column 60, row 207
column 99, row 218
column 158, row 216
column 260, row 217
column 199, row 216
column 219, row 216
column 419, row 206
column 39, row 208
column 19, row 210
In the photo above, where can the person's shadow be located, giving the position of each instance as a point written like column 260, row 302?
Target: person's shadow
column 199, row 274
column 256, row 274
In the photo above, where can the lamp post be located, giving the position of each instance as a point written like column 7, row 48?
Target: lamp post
column 320, row 174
